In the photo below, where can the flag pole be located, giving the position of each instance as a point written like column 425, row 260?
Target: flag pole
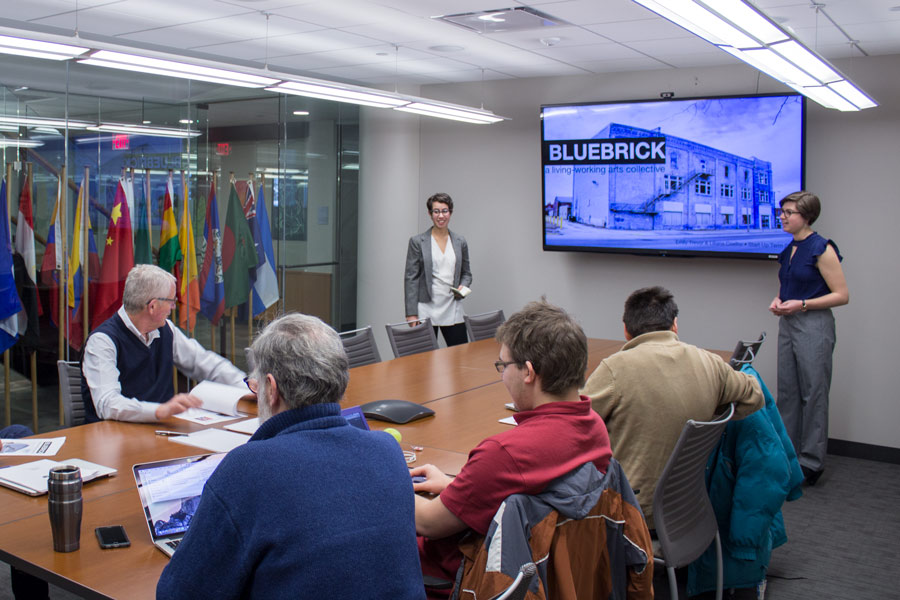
column 33, row 358
column 233, row 308
column 61, row 193
column 186, row 264
column 149, row 216
column 212, row 327
column 85, row 268
column 6, row 392
column 252, row 184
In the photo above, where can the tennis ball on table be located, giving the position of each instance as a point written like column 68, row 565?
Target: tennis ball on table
column 394, row 433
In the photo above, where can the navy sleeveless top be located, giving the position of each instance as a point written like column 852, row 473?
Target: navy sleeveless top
column 799, row 276
column 145, row 372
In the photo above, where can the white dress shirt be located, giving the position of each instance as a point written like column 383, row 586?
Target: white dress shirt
column 102, row 374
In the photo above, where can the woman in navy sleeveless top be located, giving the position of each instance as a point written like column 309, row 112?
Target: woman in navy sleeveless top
column 812, row 282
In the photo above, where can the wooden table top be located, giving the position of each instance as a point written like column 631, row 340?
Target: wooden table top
column 460, row 384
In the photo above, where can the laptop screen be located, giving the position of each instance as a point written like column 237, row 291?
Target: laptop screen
column 170, row 491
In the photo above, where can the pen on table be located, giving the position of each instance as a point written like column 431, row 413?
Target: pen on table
column 170, row 433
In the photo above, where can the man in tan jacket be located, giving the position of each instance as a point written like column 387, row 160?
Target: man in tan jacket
column 648, row 390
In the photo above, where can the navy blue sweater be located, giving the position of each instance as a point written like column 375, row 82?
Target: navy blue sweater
column 310, row 507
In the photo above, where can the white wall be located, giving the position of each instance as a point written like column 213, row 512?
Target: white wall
column 493, row 174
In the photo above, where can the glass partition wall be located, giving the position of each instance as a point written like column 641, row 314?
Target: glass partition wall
column 165, row 145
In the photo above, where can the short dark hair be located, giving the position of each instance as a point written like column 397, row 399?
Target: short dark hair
column 442, row 198
column 649, row 309
column 808, row 204
column 552, row 341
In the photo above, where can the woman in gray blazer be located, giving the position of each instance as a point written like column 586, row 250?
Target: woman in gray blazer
column 436, row 272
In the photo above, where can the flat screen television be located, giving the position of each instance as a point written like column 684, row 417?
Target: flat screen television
column 677, row 177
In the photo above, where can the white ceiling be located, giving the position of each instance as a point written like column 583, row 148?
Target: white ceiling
column 390, row 42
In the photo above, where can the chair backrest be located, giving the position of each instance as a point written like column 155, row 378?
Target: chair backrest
column 483, row 326
column 745, row 352
column 683, row 515
column 360, row 346
column 70, row 386
column 406, row 340
column 518, row 589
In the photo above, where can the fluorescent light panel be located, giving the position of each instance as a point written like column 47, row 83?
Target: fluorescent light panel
column 454, row 113
column 38, row 49
column 340, row 94
column 142, row 130
column 764, row 45
column 156, row 66
column 13, row 143
column 38, row 121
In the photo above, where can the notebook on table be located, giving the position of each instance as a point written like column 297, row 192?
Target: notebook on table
column 170, row 492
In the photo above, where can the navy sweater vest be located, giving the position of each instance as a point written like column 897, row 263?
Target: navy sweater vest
column 145, row 372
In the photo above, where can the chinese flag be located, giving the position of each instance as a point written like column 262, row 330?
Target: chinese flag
column 118, row 259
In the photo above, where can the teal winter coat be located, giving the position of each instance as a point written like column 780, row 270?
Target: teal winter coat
column 750, row 474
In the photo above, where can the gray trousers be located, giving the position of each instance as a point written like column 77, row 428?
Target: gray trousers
column 805, row 347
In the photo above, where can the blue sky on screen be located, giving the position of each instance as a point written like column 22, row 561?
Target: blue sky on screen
column 768, row 127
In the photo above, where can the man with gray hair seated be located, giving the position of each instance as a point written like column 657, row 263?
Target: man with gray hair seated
column 311, row 506
column 127, row 363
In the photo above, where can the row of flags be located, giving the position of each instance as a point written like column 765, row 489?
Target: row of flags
column 236, row 261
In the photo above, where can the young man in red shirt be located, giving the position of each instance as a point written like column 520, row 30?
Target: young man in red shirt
column 543, row 359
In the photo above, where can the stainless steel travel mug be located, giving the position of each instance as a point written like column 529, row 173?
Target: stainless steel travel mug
column 65, row 507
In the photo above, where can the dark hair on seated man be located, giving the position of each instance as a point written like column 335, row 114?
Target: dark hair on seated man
column 649, row 309
column 552, row 341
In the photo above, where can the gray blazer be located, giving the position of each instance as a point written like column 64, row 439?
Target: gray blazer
column 417, row 279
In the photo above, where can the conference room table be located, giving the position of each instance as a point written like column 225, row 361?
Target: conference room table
column 459, row 383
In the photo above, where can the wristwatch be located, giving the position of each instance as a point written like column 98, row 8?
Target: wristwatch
column 803, row 305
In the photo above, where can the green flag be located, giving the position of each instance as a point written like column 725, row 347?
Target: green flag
column 143, row 254
column 238, row 252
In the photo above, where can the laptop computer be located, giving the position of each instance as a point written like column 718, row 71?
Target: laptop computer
column 170, row 492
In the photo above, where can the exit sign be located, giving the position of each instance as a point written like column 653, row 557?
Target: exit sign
column 223, row 149
column 120, row 142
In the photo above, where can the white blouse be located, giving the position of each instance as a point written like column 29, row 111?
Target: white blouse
column 443, row 309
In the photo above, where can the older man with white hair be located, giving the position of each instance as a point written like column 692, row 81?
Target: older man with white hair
column 311, row 506
column 128, row 359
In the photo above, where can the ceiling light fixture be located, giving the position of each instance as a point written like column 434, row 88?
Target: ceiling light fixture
column 453, row 112
column 743, row 31
column 37, row 49
column 142, row 130
column 41, row 122
column 12, row 143
column 157, row 66
column 339, row 93
column 255, row 78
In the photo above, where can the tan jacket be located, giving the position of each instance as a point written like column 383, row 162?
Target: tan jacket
column 647, row 391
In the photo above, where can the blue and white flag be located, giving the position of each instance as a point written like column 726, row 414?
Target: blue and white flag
column 10, row 305
column 265, row 287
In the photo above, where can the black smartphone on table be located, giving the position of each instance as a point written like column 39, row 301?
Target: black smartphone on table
column 112, row 536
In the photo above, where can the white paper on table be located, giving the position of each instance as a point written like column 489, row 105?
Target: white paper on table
column 205, row 417
column 219, row 397
column 249, row 426
column 32, row 446
column 31, row 478
column 216, row 440
column 508, row 421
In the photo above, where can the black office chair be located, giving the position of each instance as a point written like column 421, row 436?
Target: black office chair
column 360, row 346
column 406, row 340
column 70, row 386
column 745, row 352
column 483, row 326
column 684, row 517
